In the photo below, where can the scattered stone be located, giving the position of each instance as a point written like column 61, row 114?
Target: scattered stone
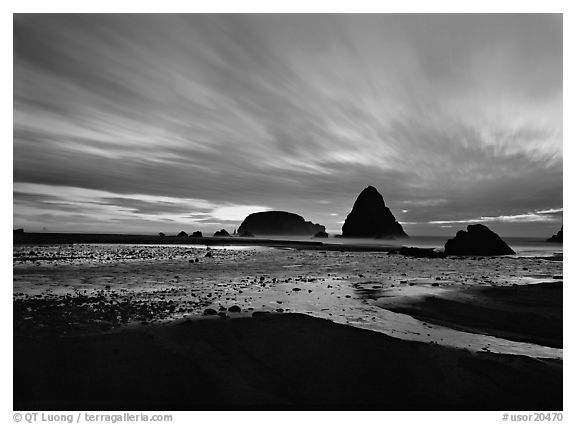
column 234, row 308
column 418, row 252
column 210, row 311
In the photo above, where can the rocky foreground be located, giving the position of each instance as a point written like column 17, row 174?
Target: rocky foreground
column 174, row 327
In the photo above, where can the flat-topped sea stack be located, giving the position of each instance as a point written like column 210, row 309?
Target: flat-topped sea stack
column 370, row 218
column 557, row 238
column 478, row 240
column 278, row 223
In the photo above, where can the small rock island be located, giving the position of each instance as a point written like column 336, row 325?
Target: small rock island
column 278, row 223
column 479, row 240
column 556, row 238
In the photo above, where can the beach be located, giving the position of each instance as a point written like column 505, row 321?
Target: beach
column 123, row 326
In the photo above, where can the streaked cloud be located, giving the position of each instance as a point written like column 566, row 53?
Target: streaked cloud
column 536, row 216
column 451, row 117
column 40, row 202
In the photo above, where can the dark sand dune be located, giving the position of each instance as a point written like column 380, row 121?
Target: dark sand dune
column 288, row 361
column 530, row 313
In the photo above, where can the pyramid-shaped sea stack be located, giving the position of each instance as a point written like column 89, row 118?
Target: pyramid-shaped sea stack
column 371, row 218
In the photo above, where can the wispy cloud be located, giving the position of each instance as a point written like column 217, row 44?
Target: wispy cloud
column 450, row 116
column 36, row 201
column 548, row 215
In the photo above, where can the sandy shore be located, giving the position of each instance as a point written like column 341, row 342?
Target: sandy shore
column 104, row 326
column 530, row 313
column 80, row 289
column 287, row 361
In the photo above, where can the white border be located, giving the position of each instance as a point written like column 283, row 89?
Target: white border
column 245, row 6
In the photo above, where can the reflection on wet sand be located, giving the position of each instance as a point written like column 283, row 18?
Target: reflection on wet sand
column 71, row 288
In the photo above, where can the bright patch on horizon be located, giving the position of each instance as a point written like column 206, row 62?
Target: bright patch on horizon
column 77, row 205
column 236, row 213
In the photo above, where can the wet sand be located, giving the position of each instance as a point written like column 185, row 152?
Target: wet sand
column 271, row 361
column 530, row 313
column 121, row 327
column 69, row 289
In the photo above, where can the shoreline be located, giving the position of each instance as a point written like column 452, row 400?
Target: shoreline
column 134, row 239
column 96, row 327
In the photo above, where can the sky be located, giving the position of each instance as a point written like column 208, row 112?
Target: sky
column 149, row 123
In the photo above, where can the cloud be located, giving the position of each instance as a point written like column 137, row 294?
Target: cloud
column 548, row 215
column 236, row 213
column 36, row 203
column 451, row 117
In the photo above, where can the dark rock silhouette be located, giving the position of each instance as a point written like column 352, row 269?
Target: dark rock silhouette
column 182, row 234
column 196, row 234
column 557, row 238
column 321, row 234
column 278, row 223
column 371, row 218
column 479, row 240
column 19, row 231
column 162, row 234
column 222, row 233
column 244, row 233
column 419, row 252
